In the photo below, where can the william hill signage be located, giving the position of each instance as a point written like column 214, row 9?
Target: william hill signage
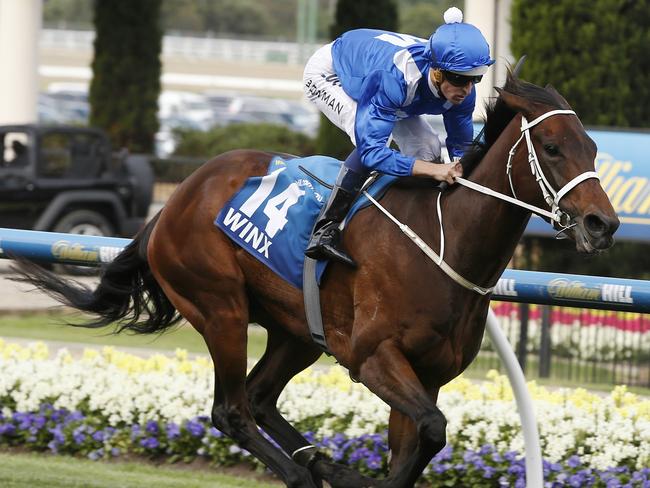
column 628, row 190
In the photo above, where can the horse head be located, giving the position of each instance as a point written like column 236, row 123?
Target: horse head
column 561, row 157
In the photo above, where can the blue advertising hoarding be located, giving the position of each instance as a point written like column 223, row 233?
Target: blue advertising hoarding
column 623, row 163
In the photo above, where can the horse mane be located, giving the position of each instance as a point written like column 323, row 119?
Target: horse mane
column 498, row 115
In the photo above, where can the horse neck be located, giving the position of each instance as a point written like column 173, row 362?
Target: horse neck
column 485, row 229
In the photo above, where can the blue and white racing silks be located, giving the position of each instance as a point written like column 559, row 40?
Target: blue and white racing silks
column 387, row 75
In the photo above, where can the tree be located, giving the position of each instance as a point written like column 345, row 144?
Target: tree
column 422, row 18
column 126, row 72
column 593, row 51
column 353, row 14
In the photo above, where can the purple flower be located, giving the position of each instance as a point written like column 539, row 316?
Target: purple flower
column 479, row 463
column 39, row 421
column 195, row 428
column 78, row 435
column 7, row 429
column 374, row 461
column 573, row 461
column 441, row 468
column 486, row 449
column 358, row 454
column 57, row 433
column 577, row 480
column 24, row 420
column 445, row 454
column 310, row 437
column 173, row 431
column 510, row 456
column 73, row 417
column 516, row 469
column 149, row 443
column 337, row 455
column 488, row 471
column 98, row 436
column 152, row 427
column 470, row 456
column 214, row 432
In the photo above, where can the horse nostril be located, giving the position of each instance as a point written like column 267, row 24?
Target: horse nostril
column 596, row 226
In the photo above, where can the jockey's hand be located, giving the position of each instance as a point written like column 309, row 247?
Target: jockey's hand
column 439, row 172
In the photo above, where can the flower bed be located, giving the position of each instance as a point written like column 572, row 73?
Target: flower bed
column 109, row 403
column 599, row 335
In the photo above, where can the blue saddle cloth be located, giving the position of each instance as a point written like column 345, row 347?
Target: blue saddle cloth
column 272, row 216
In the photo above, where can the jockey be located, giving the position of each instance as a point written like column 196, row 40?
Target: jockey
column 374, row 85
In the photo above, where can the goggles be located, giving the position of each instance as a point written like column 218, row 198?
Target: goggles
column 461, row 80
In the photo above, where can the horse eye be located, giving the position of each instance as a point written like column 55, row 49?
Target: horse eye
column 551, row 149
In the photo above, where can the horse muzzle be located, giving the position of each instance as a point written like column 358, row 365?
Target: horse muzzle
column 594, row 232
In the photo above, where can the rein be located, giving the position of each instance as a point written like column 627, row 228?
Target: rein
column 552, row 198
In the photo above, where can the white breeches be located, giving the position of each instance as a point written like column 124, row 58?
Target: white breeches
column 414, row 136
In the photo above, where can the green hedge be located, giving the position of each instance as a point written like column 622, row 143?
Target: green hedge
column 265, row 137
column 196, row 147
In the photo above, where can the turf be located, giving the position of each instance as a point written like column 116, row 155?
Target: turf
column 43, row 470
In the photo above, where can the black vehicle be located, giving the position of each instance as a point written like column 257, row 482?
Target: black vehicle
column 67, row 179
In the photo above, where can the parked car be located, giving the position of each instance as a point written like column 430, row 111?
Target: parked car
column 291, row 113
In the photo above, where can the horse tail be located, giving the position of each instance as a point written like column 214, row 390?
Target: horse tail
column 127, row 295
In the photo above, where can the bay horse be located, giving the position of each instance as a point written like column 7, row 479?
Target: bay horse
column 396, row 322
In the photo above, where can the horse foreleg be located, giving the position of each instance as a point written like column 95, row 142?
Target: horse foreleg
column 286, row 356
column 389, row 375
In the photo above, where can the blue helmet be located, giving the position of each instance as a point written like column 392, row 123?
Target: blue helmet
column 458, row 47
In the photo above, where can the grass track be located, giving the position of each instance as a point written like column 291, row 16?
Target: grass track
column 43, row 470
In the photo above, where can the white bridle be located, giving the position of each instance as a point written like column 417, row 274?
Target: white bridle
column 561, row 220
column 552, row 198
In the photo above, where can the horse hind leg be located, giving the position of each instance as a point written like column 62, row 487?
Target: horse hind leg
column 221, row 316
column 286, row 356
column 231, row 411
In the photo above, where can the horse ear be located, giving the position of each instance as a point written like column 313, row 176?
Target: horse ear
column 515, row 102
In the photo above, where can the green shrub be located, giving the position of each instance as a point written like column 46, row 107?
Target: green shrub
column 265, row 137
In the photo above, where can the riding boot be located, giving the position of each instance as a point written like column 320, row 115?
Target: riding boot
column 325, row 241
